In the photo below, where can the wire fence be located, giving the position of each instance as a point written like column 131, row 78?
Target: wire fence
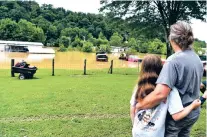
column 81, row 67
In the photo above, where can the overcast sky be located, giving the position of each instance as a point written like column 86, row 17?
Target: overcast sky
column 92, row 6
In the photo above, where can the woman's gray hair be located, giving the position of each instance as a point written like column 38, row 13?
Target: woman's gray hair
column 181, row 33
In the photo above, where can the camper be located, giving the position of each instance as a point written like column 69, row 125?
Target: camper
column 28, row 47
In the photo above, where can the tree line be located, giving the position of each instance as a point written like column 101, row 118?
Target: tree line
column 57, row 27
column 156, row 13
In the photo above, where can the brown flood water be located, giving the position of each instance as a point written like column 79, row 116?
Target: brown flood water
column 65, row 60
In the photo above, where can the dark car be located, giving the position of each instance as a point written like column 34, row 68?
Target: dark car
column 101, row 57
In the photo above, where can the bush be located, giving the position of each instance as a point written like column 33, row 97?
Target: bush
column 70, row 48
column 133, row 44
column 116, row 40
column 156, row 46
column 77, row 42
column 87, row 47
column 78, row 48
column 62, row 49
column 105, row 48
column 197, row 46
column 143, row 47
column 64, row 41
column 131, row 52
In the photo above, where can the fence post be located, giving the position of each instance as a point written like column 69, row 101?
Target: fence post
column 84, row 67
column 53, row 67
column 111, row 66
column 12, row 64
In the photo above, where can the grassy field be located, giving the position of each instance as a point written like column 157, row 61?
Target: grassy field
column 70, row 105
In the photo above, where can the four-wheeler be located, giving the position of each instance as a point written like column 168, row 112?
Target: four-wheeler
column 24, row 70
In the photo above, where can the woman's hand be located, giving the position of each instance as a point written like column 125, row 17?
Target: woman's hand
column 196, row 103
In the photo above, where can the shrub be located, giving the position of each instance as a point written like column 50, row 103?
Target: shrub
column 131, row 52
column 156, row 46
column 62, row 49
column 116, row 40
column 104, row 48
column 70, row 48
column 64, row 41
column 77, row 42
column 87, row 47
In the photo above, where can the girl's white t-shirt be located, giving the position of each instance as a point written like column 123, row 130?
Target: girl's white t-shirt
column 151, row 122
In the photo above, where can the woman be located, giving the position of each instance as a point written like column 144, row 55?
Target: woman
column 151, row 122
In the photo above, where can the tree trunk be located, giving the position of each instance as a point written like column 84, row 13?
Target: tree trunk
column 168, row 46
column 169, row 49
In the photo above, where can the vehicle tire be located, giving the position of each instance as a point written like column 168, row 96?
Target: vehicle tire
column 21, row 76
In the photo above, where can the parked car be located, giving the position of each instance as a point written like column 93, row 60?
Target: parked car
column 101, row 57
column 133, row 58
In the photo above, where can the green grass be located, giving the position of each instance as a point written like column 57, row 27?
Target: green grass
column 70, row 104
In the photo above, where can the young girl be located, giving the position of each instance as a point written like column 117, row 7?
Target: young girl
column 151, row 122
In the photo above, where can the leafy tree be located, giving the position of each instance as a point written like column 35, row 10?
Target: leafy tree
column 116, row 40
column 156, row 13
column 84, row 23
column 201, row 43
column 62, row 48
column 3, row 12
column 47, row 12
column 156, row 47
column 38, row 35
column 70, row 32
column 51, row 35
column 143, row 47
column 41, row 22
column 64, row 41
column 130, row 52
column 133, row 44
column 87, row 47
column 92, row 40
column 29, row 32
column 77, row 42
column 100, row 41
column 89, row 36
column 83, row 33
column 197, row 46
column 8, row 29
column 105, row 48
column 101, row 36
column 18, row 13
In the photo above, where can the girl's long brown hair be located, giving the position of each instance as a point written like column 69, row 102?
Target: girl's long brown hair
column 150, row 70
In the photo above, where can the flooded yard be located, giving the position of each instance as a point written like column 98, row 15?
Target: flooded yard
column 65, row 60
